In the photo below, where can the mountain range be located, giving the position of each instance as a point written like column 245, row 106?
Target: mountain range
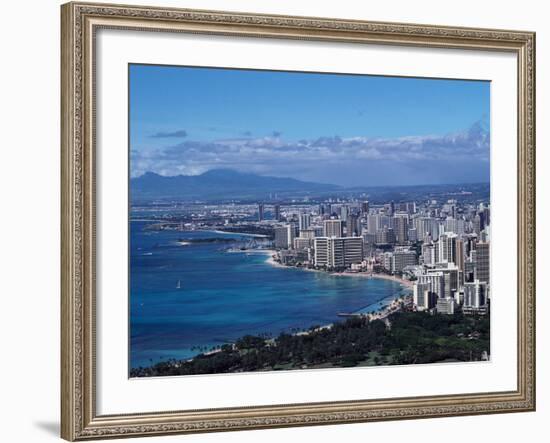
column 219, row 184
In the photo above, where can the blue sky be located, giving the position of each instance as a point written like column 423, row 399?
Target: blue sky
column 345, row 129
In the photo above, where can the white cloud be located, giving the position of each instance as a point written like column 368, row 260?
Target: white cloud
column 275, row 156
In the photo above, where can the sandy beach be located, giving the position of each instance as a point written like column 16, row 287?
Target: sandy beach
column 405, row 283
column 244, row 234
column 394, row 304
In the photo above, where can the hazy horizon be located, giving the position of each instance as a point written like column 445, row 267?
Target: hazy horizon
column 321, row 183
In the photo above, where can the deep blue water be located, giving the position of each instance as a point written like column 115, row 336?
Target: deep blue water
column 225, row 295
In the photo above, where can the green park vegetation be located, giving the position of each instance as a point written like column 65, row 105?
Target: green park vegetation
column 405, row 338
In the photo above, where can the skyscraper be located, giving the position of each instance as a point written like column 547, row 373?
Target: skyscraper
column 365, row 208
column 260, row 212
column 436, row 280
column 385, row 236
column 344, row 212
column 277, row 212
column 353, row 250
column 284, row 236
column 401, row 259
column 353, row 228
column 477, row 224
column 483, row 262
column 430, row 253
column 454, row 225
column 423, row 297
column 447, row 247
column 475, row 294
column 424, row 227
column 321, row 251
column 460, row 254
column 401, row 226
column 332, row 228
column 373, row 223
column 304, row 222
column 334, row 253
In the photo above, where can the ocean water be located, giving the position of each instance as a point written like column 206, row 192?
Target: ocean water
column 225, row 295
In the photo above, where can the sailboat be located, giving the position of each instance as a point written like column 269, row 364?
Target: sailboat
column 178, row 286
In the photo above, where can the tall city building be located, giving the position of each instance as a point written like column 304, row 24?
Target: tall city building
column 284, row 236
column 277, row 212
column 353, row 250
column 333, row 228
column 401, row 259
column 436, row 280
column 353, row 228
column 425, row 227
column 337, row 252
column 386, row 222
column 483, row 262
column 385, row 236
column 401, row 227
column 260, row 212
column 469, row 269
column 450, row 208
column 460, row 254
column 365, row 208
column 321, row 247
column 475, row 294
column 304, row 221
column 390, row 208
column 447, row 247
column 430, row 253
column 450, row 276
column 373, row 223
column 455, row 225
column 423, row 297
column 344, row 212
column 477, row 224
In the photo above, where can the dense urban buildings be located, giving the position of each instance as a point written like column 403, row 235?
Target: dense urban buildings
column 435, row 242
column 442, row 246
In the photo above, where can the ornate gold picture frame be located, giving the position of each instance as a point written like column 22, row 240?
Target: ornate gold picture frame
column 80, row 22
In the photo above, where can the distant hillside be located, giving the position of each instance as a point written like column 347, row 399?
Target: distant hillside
column 218, row 184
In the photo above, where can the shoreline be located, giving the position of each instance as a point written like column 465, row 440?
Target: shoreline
column 217, row 231
column 407, row 284
column 389, row 305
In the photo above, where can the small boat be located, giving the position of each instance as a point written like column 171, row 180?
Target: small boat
column 178, row 286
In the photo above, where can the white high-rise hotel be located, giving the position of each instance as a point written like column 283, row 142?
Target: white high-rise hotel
column 338, row 252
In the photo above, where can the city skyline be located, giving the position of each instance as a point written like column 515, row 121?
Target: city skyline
column 288, row 221
column 423, row 131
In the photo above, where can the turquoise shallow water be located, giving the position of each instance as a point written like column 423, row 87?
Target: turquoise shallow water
column 225, row 295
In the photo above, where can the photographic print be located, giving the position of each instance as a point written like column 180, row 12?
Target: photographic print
column 300, row 220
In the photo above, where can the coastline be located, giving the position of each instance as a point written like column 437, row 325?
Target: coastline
column 244, row 234
column 390, row 304
column 408, row 284
column 378, row 310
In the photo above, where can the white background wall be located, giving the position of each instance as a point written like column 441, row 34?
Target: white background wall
column 29, row 221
